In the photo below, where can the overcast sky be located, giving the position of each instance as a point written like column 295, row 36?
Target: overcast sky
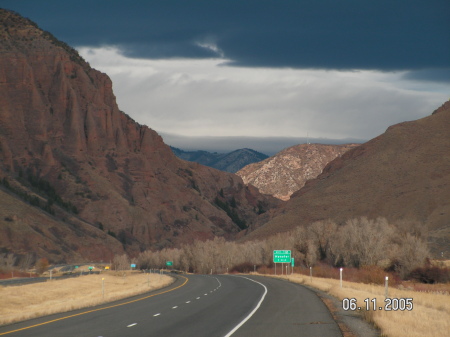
column 261, row 74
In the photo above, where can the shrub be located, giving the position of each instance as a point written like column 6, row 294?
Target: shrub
column 245, row 267
column 430, row 275
column 42, row 265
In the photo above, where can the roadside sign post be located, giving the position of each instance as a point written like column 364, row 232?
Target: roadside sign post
column 281, row 256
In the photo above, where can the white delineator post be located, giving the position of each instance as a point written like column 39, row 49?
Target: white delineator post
column 340, row 277
column 386, row 286
column 310, row 274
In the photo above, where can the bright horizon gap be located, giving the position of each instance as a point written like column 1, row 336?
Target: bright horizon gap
column 268, row 145
column 194, row 98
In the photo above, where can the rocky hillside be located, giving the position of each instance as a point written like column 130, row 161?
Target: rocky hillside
column 228, row 162
column 100, row 182
column 287, row 171
column 402, row 175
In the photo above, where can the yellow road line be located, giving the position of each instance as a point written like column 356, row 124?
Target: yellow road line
column 99, row 309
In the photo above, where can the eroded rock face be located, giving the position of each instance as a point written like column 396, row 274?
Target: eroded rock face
column 59, row 121
column 287, row 171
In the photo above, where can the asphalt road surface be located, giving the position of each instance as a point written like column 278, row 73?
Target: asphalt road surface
column 196, row 305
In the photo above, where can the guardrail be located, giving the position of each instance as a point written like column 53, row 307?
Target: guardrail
column 28, row 280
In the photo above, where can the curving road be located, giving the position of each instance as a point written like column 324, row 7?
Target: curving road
column 197, row 305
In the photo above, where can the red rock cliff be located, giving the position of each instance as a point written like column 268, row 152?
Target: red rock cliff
column 59, row 120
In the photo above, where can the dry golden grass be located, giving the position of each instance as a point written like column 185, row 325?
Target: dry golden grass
column 441, row 263
column 429, row 317
column 23, row 302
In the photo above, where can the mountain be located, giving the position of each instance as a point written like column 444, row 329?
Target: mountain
column 402, row 175
column 80, row 178
column 228, row 162
column 288, row 170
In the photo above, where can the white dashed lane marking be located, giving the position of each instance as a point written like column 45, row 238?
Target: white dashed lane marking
column 187, row 302
column 175, row 307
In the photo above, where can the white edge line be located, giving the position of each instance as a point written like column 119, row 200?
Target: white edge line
column 129, row 326
column 254, row 310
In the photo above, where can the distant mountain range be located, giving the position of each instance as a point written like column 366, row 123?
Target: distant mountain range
column 228, row 162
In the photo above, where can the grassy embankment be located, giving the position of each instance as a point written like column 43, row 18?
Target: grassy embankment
column 429, row 317
column 23, row 302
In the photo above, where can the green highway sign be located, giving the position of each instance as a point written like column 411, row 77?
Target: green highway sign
column 169, row 263
column 281, row 256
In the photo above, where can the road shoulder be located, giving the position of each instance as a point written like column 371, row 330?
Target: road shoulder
column 351, row 323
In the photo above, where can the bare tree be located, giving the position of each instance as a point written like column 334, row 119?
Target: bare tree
column 7, row 261
column 311, row 253
column 26, row 261
column 121, row 262
column 363, row 242
column 412, row 253
column 322, row 232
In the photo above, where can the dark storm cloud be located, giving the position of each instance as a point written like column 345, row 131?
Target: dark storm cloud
column 326, row 34
column 434, row 75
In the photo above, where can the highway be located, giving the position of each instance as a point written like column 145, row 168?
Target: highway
column 196, row 305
